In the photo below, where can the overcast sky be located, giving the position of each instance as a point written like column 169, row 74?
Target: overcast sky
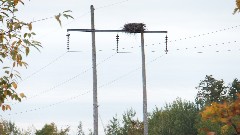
column 203, row 40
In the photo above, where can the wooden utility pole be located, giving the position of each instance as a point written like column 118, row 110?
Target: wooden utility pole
column 145, row 119
column 94, row 66
column 95, row 101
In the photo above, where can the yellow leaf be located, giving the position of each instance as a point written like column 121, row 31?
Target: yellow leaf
column 224, row 129
column 22, row 95
column 15, row 2
column 1, row 37
column 30, row 26
column 238, row 7
column 14, row 85
column 57, row 17
column 8, row 107
column 27, row 51
column 3, row 107
column 238, row 3
column 5, row 93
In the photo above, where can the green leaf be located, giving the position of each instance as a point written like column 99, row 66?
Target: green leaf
column 25, row 35
column 5, row 67
column 65, row 15
column 235, row 10
column 7, row 72
column 67, row 11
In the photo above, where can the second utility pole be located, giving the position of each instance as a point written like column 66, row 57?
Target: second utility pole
column 94, row 66
column 145, row 118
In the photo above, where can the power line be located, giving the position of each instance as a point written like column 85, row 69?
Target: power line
column 205, row 34
column 113, row 4
column 104, row 129
column 104, row 85
column 68, row 80
column 184, row 38
column 120, row 77
column 51, row 105
column 44, row 67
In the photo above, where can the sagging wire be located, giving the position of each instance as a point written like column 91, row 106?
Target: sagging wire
column 104, row 85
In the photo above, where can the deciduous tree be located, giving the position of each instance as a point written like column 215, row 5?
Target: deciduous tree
column 16, row 41
column 213, row 90
column 176, row 118
column 227, row 114
column 51, row 129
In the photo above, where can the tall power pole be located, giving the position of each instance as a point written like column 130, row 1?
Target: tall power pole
column 94, row 66
column 95, row 99
column 145, row 119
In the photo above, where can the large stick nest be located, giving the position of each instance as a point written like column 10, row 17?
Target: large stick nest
column 134, row 27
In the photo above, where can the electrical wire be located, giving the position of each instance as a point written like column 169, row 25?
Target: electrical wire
column 113, row 4
column 101, row 86
column 51, row 105
column 115, row 80
column 185, row 38
column 66, row 81
column 104, row 129
column 205, row 34
column 44, row 67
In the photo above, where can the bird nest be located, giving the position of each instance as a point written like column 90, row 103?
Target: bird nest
column 134, row 27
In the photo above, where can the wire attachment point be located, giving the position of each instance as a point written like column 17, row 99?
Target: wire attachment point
column 68, row 37
column 117, row 38
column 166, row 38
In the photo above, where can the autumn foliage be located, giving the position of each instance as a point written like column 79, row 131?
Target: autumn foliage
column 227, row 113
column 238, row 7
column 16, row 41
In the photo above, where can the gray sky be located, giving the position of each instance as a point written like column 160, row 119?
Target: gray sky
column 54, row 77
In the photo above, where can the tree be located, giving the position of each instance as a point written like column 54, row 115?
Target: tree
column 237, row 8
column 80, row 130
column 176, row 118
column 10, row 128
column 234, row 89
column 227, row 114
column 51, row 129
column 213, row 90
column 219, row 106
column 128, row 126
column 16, row 41
column 210, row 90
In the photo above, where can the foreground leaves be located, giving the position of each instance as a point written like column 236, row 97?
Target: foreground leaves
column 237, row 9
column 16, row 41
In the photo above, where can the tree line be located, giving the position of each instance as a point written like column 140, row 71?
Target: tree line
column 216, row 110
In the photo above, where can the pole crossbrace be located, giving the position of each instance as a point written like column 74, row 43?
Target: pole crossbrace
column 94, row 30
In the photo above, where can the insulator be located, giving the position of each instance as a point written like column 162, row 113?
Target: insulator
column 166, row 38
column 68, row 36
column 117, row 38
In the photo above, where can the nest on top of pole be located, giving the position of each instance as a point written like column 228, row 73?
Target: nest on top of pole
column 134, row 27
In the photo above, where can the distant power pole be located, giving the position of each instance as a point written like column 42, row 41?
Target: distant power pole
column 95, row 99
column 94, row 66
